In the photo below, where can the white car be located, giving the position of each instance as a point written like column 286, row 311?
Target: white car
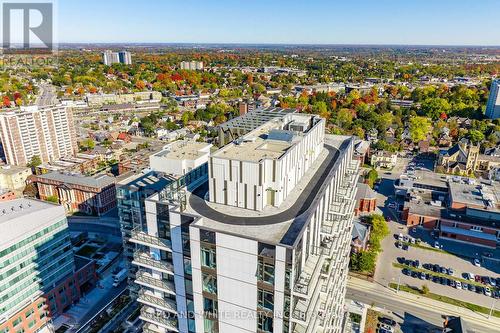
column 400, row 237
column 436, row 245
column 477, row 262
column 387, row 327
column 487, row 291
column 458, row 284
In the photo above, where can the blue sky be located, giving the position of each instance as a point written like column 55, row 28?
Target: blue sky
column 427, row 22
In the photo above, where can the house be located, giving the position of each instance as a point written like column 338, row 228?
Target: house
column 384, row 159
column 360, row 236
column 125, row 137
column 362, row 151
column 366, row 199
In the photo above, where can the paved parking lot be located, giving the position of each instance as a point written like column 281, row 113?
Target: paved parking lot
column 387, row 273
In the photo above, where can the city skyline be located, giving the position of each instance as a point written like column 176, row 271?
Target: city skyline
column 459, row 23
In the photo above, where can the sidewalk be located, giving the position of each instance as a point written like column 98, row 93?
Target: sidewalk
column 426, row 303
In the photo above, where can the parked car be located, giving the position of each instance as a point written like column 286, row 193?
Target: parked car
column 472, row 287
column 401, row 260
column 458, row 284
column 427, row 266
column 476, row 262
column 386, row 327
column 444, row 270
column 496, row 294
column 421, row 276
column 469, row 276
column 487, row 291
column 414, row 274
column 450, row 271
column 492, row 281
column 477, row 278
column 436, row 268
column 435, row 279
column 428, row 276
column 451, row 283
column 387, row 321
column 479, row 290
column 436, row 245
column 465, row 286
column 442, row 280
column 406, row 271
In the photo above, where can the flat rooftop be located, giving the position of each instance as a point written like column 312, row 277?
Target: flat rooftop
column 273, row 225
column 476, row 194
column 184, row 149
column 153, row 180
column 12, row 169
column 268, row 141
column 98, row 181
column 20, row 218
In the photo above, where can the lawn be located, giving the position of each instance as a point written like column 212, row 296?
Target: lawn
column 445, row 299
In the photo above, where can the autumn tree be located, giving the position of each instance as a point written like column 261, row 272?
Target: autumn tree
column 419, row 128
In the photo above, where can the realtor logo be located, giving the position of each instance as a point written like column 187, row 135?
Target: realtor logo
column 27, row 28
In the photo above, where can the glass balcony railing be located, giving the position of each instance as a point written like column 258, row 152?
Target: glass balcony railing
column 150, row 315
column 143, row 259
column 157, row 302
column 140, row 237
column 146, row 279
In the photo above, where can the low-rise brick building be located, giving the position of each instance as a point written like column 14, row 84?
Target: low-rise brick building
column 94, row 195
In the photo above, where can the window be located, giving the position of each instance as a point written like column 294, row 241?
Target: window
column 210, row 326
column 208, row 257
column 264, row 323
column 29, row 313
column 265, row 272
column 4, row 330
column 209, row 305
column 16, row 322
column 209, row 283
column 265, row 299
column 31, row 323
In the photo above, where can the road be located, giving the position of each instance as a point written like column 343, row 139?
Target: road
column 47, row 95
column 414, row 314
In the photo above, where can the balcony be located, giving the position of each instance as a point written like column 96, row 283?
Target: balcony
column 353, row 167
column 150, row 315
column 140, row 237
column 157, row 302
column 143, row 259
column 309, row 275
column 145, row 279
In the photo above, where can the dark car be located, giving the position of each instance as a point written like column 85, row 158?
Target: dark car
column 442, row 280
column 406, row 271
column 484, row 280
column 479, row 290
column 436, row 268
column 435, row 279
column 451, row 283
column 477, row 278
column 428, row 276
column 496, row 294
column 414, row 274
column 472, row 287
column 387, row 321
column 427, row 266
column 444, row 270
column 401, row 260
column 417, row 263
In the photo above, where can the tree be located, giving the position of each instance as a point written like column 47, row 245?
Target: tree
column 367, row 261
column 475, row 136
column 140, row 85
column 6, row 101
column 434, row 107
column 87, row 144
column 425, row 289
column 379, row 231
column 371, row 177
column 35, row 161
column 52, row 198
column 419, row 128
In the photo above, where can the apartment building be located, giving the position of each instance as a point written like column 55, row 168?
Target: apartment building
column 35, row 255
column 48, row 133
column 14, row 177
column 123, row 57
column 192, row 65
column 211, row 265
column 493, row 105
column 93, row 195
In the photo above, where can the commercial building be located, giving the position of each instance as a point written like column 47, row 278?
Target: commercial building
column 180, row 157
column 493, row 105
column 48, row 133
column 468, row 213
column 35, row 255
column 192, row 65
column 278, row 263
column 93, row 195
column 110, row 57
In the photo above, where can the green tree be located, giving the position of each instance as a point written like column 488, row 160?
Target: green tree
column 371, row 177
column 367, row 261
column 425, row 289
column 419, row 128
column 52, row 198
column 475, row 136
column 35, row 161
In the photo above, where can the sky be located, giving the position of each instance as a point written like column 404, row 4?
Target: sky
column 402, row 22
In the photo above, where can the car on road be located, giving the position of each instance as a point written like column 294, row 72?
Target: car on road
column 476, row 262
column 487, row 291
column 387, row 321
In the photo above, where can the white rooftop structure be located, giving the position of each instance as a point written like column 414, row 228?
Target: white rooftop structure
column 20, row 218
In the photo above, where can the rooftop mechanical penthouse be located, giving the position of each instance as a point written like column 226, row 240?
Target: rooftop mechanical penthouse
column 259, row 240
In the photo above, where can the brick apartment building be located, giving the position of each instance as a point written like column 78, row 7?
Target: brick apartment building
column 94, row 195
